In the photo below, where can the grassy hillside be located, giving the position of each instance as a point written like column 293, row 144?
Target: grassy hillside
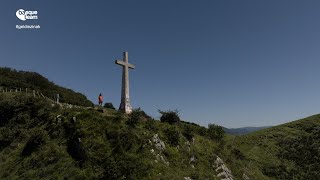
column 288, row 151
column 38, row 141
column 41, row 141
column 12, row 79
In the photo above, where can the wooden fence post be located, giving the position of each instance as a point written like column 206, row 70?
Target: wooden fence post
column 58, row 97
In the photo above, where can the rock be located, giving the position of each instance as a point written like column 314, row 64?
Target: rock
column 193, row 140
column 14, row 145
column 161, row 158
column 225, row 173
column 187, row 145
column 245, row 176
column 158, row 143
column 74, row 119
column 152, row 151
column 59, row 119
column 187, row 178
column 192, row 159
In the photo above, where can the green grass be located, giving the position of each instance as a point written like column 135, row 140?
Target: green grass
column 109, row 147
column 39, row 141
column 264, row 150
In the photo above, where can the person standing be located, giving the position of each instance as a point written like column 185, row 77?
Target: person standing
column 100, row 100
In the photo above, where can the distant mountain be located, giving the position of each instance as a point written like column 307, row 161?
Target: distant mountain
column 13, row 79
column 243, row 130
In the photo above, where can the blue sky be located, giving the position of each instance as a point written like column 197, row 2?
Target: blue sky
column 232, row 63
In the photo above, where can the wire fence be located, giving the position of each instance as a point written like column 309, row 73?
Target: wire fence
column 38, row 94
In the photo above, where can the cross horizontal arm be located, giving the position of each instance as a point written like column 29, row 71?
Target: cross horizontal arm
column 122, row 63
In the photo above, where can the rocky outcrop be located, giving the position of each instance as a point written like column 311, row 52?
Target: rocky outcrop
column 223, row 172
column 160, row 147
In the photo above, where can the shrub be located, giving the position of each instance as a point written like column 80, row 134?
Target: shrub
column 202, row 131
column 238, row 154
column 119, row 117
column 35, row 141
column 215, row 132
column 136, row 116
column 76, row 150
column 109, row 105
column 121, row 139
column 172, row 135
column 151, row 125
column 125, row 167
column 187, row 132
column 142, row 114
column 171, row 117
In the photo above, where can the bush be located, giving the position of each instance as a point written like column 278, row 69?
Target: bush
column 136, row 116
column 35, row 141
column 238, row 154
column 151, row 125
column 76, row 150
column 20, row 109
column 122, row 140
column 187, row 132
column 215, row 132
column 171, row 117
column 172, row 135
column 109, row 105
column 202, row 131
column 125, row 167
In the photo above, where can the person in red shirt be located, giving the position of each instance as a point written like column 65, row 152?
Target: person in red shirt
column 100, row 99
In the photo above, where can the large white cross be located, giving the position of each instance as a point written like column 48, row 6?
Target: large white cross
column 125, row 105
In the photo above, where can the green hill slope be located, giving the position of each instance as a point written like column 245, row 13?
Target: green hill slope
column 42, row 141
column 288, row 151
column 12, row 79
column 38, row 141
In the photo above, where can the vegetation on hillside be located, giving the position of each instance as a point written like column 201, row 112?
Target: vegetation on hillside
column 42, row 141
column 288, row 151
column 12, row 79
column 39, row 141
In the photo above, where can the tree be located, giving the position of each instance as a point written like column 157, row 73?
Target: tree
column 136, row 116
column 171, row 117
column 215, row 132
column 109, row 105
column 172, row 135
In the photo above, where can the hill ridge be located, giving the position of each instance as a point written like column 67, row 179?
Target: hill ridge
column 39, row 140
column 13, row 79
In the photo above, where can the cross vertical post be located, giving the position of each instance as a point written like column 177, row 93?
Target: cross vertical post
column 125, row 105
